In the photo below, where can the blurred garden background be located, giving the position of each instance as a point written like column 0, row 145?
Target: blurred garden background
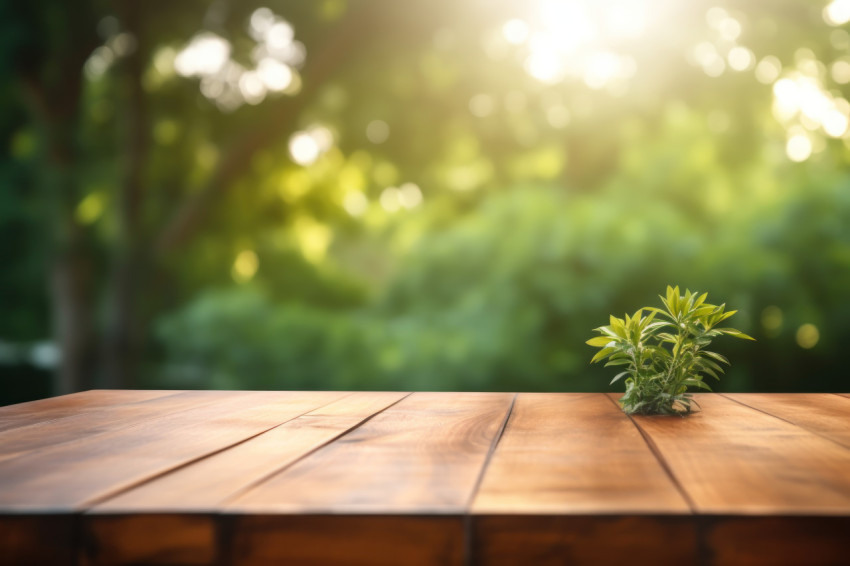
column 373, row 194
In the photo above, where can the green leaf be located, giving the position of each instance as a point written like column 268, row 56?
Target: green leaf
column 716, row 356
column 602, row 354
column 618, row 376
column 618, row 362
column 599, row 341
column 658, row 376
column 735, row 333
column 697, row 383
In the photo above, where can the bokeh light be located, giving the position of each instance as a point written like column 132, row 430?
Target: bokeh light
column 808, row 336
column 245, row 266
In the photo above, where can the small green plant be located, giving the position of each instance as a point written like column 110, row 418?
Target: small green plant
column 663, row 358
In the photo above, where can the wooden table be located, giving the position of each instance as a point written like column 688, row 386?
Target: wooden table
column 214, row 477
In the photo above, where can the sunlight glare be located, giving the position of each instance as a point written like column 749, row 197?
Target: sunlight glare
column 799, row 147
column 626, row 19
column 580, row 39
column 545, row 66
column 603, row 66
column 205, row 55
column 276, row 76
column 251, row 87
column 279, row 35
column 741, row 58
column 837, row 12
column 304, row 148
column 515, row 31
column 260, row 22
column 835, row 123
column 568, row 23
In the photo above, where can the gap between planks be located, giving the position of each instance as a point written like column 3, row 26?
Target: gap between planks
column 659, row 457
column 263, row 479
column 88, row 504
column 467, row 517
column 6, row 425
column 808, row 429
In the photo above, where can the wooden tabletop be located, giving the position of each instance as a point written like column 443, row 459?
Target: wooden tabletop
column 224, row 477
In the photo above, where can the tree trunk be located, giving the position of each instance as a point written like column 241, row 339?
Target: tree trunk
column 123, row 334
column 52, row 94
column 71, row 272
column 70, row 291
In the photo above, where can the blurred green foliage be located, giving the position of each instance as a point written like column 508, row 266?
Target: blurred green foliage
column 466, row 227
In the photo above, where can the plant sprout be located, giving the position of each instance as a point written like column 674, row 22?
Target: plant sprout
column 663, row 358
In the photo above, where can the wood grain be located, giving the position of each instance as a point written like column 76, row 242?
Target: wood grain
column 106, row 477
column 574, row 453
column 150, row 539
column 393, row 490
column 85, row 425
column 208, row 483
column 585, row 540
column 74, row 475
column 23, row 414
column 423, row 455
column 767, row 541
column 825, row 415
column 367, row 540
column 183, row 504
column 732, row 459
column 34, row 539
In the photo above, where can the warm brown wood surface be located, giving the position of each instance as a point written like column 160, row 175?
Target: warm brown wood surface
column 169, row 477
column 826, row 415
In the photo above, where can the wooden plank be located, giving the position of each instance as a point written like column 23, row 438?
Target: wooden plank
column 183, row 503
column 569, row 475
column 417, row 461
column 423, row 455
column 208, row 483
column 825, row 415
column 151, row 538
column 72, row 476
column 350, row 540
column 733, row 460
column 45, row 540
column 767, row 541
column 32, row 412
column 574, row 454
column 549, row 539
column 104, row 420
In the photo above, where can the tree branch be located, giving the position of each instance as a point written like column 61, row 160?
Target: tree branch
column 344, row 38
